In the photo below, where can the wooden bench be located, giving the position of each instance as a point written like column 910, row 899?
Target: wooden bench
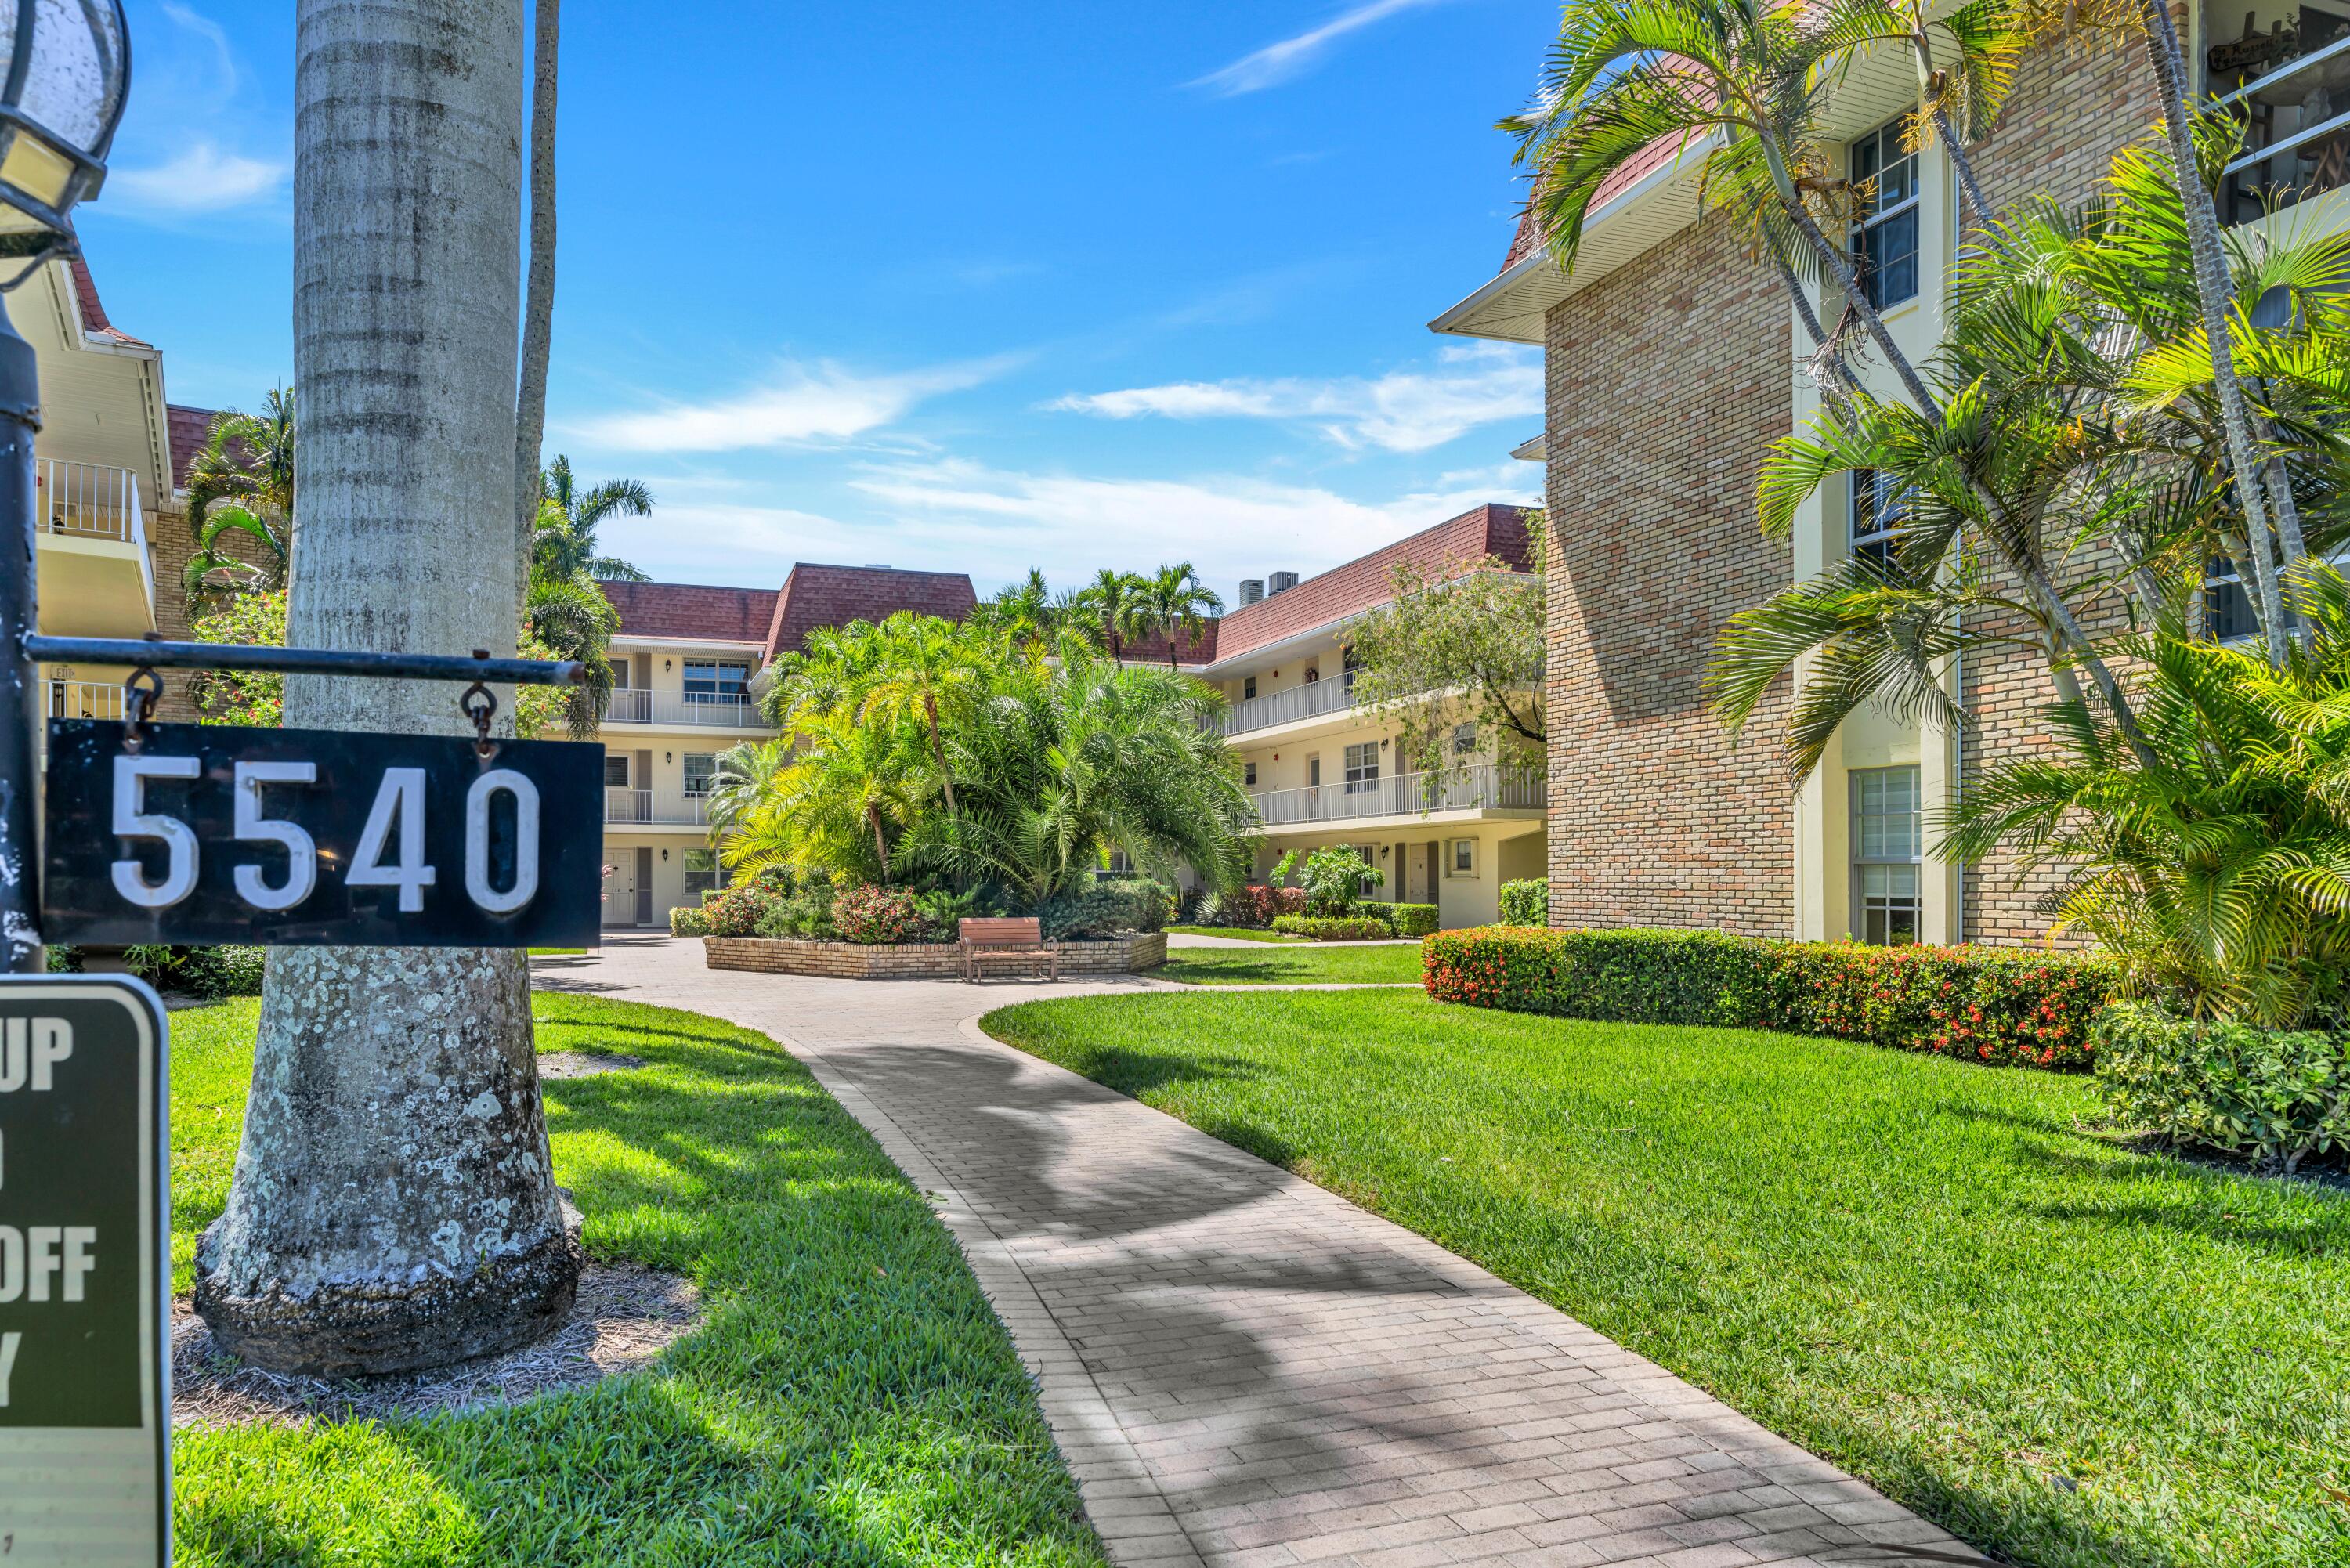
column 998, row 935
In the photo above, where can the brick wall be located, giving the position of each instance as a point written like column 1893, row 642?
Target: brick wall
column 922, row 960
column 1666, row 379
column 2076, row 103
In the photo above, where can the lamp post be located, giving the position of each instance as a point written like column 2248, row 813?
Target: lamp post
column 68, row 70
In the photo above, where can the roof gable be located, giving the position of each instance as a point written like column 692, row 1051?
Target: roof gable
column 816, row 595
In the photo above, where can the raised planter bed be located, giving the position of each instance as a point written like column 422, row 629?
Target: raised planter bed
column 920, row 960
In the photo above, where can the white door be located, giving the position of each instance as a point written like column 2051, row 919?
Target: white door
column 621, row 887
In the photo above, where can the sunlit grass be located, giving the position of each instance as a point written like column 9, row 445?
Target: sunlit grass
column 1308, row 964
column 1937, row 1274
column 849, row 1398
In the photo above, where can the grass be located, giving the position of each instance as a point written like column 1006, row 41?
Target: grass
column 1310, row 963
column 849, row 1398
column 1238, row 933
column 557, row 952
column 2064, row 1351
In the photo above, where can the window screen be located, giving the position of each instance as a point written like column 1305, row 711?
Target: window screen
column 1887, row 838
column 1884, row 240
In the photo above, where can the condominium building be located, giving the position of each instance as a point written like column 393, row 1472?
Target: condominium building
column 1673, row 358
column 1325, row 771
column 683, row 665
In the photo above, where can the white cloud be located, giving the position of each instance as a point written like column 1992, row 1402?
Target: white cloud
column 997, row 523
column 1401, row 412
column 1276, row 63
column 211, row 32
column 801, row 407
column 202, row 179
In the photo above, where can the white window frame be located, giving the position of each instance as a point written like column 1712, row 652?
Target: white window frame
column 710, row 772
column 1452, row 867
column 1911, row 854
column 1884, row 135
column 1361, row 777
column 723, row 693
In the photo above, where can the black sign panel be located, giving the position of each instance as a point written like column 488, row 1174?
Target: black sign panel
column 212, row 834
column 85, row 1267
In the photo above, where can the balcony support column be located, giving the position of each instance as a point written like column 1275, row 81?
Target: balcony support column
column 20, row 696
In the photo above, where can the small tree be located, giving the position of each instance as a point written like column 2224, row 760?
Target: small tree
column 1334, row 878
column 1465, row 652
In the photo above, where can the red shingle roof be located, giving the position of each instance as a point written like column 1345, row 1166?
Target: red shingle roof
column 690, row 610
column 1629, row 173
column 93, row 313
column 189, row 428
column 1366, row 581
column 816, row 595
column 1153, row 649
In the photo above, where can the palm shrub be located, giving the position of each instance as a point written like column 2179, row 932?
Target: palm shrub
column 1334, row 878
column 2212, row 860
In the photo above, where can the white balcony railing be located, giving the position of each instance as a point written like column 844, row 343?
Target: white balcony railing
column 658, row 807
column 642, row 705
column 1406, row 795
column 1310, row 701
column 93, row 501
column 85, row 699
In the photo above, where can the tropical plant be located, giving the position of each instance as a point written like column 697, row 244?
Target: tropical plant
column 1335, row 878
column 247, row 462
column 562, row 602
column 1457, row 650
column 568, row 517
column 1026, row 612
column 741, row 778
column 924, row 662
column 2213, row 861
column 1111, row 609
column 538, row 283
column 1173, row 603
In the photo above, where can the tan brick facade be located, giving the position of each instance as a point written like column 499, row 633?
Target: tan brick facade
column 1666, row 379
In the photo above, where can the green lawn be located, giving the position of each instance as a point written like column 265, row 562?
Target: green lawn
column 1238, row 933
column 2064, row 1350
column 849, row 1398
column 1307, row 964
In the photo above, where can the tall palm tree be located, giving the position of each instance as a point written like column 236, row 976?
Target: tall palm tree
column 247, row 464
column 1964, row 62
column 741, row 779
column 538, row 290
column 846, row 793
column 1176, row 605
column 1112, row 604
column 366, row 1230
column 568, row 517
column 923, row 662
column 1026, row 611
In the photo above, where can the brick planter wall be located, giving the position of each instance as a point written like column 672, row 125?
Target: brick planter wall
column 923, row 960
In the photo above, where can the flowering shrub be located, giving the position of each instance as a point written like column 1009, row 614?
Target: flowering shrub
column 878, row 915
column 738, row 914
column 2273, row 1096
column 689, row 920
column 1334, row 927
column 1984, row 1004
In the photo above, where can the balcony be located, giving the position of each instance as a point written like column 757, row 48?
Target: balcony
column 1310, row 701
column 2288, row 93
column 97, row 575
column 85, row 699
column 655, row 808
column 682, row 709
column 1406, row 795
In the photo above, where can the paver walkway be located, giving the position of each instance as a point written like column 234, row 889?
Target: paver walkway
column 1241, row 1368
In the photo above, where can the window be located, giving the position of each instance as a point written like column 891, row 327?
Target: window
column 1461, row 857
column 703, row 872
column 1464, row 739
column 1248, row 687
column 1314, row 773
column 1248, row 775
column 1312, row 674
column 1884, row 240
column 715, row 680
column 1887, row 838
column 1363, row 768
column 1875, row 515
column 698, row 767
column 2227, row 604
column 616, row 770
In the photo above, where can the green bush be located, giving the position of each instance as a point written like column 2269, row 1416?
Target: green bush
column 877, row 916
column 1525, row 903
column 1092, row 911
column 2273, row 1095
column 1334, row 927
column 1334, row 878
column 805, row 913
column 208, row 973
column 740, row 912
column 1985, row 1004
column 1411, row 919
column 689, row 920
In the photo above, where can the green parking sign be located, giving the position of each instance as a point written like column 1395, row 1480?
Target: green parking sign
column 84, row 1273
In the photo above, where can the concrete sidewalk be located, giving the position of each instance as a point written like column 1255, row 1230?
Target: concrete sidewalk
column 1245, row 1369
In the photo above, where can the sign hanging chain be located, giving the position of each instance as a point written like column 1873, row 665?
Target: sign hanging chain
column 140, row 695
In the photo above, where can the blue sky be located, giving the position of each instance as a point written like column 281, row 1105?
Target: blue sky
column 930, row 285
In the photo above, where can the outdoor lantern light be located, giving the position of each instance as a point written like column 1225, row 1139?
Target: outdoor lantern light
column 68, row 68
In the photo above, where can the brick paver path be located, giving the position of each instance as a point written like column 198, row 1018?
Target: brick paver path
column 1241, row 1368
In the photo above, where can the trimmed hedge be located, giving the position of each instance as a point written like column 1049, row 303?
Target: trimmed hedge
column 1257, row 906
column 1525, row 903
column 1411, row 919
column 1984, row 1004
column 1334, row 927
column 689, row 920
column 877, row 916
column 2274, row 1096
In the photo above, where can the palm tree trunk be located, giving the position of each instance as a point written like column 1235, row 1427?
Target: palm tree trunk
column 939, row 752
column 538, row 307
column 880, row 845
column 1963, row 165
column 392, row 1205
column 2216, row 292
